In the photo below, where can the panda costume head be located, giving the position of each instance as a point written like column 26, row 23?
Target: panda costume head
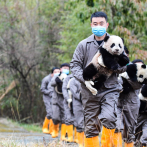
column 114, row 44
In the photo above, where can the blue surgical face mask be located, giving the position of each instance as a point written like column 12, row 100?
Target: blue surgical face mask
column 66, row 71
column 56, row 74
column 99, row 31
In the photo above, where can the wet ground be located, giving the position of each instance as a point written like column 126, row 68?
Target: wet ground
column 12, row 132
column 6, row 126
column 20, row 135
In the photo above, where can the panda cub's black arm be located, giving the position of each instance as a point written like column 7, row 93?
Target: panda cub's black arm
column 142, row 109
column 108, row 59
column 126, row 86
column 143, row 103
column 89, row 72
column 123, row 60
column 132, row 72
column 144, row 90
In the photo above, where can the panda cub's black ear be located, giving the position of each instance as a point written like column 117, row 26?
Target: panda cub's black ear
column 123, row 40
column 143, row 66
column 106, row 38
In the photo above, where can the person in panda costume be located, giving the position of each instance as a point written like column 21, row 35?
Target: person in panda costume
column 58, row 115
column 128, row 102
column 99, row 105
column 141, row 127
column 75, row 88
column 47, row 96
column 69, row 117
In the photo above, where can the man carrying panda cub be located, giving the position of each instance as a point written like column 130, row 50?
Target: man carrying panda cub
column 58, row 114
column 99, row 102
column 141, row 126
column 128, row 102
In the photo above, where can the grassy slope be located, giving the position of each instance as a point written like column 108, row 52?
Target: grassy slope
column 28, row 127
column 31, row 127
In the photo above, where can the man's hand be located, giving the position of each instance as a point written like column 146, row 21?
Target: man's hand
column 89, row 86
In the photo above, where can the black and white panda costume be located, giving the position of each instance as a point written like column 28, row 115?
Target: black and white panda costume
column 128, row 102
column 141, row 127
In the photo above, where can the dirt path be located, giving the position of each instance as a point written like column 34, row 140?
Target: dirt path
column 10, row 132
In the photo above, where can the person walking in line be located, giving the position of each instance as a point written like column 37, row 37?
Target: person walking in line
column 69, row 117
column 75, row 88
column 99, row 108
column 58, row 114
column 47, row 99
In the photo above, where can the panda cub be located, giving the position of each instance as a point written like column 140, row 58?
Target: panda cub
column 69, row 94
column 109, row 57
column 143, row 99
column 59, row 80
column 136, row 73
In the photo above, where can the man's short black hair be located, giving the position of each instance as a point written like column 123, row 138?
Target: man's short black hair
column 54, row 69
column 65, row 64
column 137, row 60
column 126, row 50
column 99, row 14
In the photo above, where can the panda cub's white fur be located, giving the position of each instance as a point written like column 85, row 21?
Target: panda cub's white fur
column 100, row 61
column 117, row 49
column 68, row 89
column 62, row 76
column 141, row 97
column 141, row 71
column 124, row 75
column 69, row 93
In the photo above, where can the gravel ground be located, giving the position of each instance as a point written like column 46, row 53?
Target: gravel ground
column 11, row 135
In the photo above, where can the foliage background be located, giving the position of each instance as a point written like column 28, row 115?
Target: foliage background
column 37, row 35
